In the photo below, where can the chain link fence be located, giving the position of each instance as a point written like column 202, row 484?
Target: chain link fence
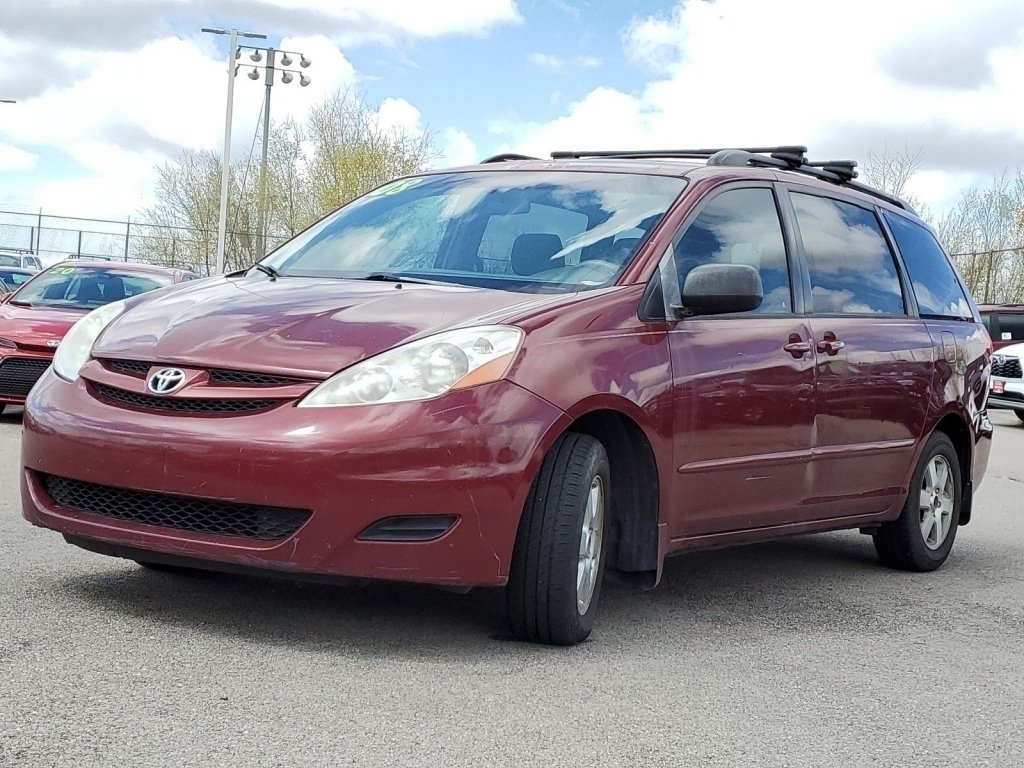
column 54, row 238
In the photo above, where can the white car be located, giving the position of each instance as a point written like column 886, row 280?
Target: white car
column 20, row 259
column 1006, row 385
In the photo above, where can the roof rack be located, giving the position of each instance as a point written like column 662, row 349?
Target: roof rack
column 787, row 157
column 688, row 154
column 506, row 156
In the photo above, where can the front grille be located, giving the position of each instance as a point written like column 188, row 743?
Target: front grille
column 18, row 374
column 219, row 376
column 135, row 368
column 1007, row 367
column 205, row 406
column 139, row 369
column 184, row 513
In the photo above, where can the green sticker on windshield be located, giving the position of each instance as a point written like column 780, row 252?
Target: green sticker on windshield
column 63, row 271
column 396, row 186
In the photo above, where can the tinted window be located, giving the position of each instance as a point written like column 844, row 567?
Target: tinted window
column 740, row 226
column 935, row 285
column 14, row 279
column 1011, row 327
column 851, row 268
column 85, row 287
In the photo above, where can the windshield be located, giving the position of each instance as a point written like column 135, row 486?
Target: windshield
column 13, row 279
column 525, row 231
column 6, row 260
column 85, row 287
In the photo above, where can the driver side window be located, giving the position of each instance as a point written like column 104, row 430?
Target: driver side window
column 740, row 226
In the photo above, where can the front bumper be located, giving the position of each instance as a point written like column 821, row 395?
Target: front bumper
column 471, row 454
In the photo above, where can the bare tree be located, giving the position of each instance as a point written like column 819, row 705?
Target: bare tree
column 340, row 153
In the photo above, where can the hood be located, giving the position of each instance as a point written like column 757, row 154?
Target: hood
column 33, row 327
column 295, row 325
column 1010, row 350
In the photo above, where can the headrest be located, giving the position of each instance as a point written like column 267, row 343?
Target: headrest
column 533, row 253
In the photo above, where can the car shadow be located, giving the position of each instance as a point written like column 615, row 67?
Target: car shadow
column 12, row 414
column 792, row 584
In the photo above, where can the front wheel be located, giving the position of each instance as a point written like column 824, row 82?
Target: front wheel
column 921, row 537
column 558, row 562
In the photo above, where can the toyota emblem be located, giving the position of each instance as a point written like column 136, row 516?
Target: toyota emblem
column 165, row 381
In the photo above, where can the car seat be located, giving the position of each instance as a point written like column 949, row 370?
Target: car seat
column 533, row 253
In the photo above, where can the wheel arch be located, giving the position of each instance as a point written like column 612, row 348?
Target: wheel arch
column 633, row 538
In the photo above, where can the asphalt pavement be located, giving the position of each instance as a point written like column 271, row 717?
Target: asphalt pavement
column 799, row 652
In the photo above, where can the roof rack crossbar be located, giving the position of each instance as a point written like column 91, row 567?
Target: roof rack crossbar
column 696, row 154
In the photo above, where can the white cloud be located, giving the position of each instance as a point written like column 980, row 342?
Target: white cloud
column 546, row 61
column 722, row 80
column 399, row 115
column 13, row 159
column 457, row 149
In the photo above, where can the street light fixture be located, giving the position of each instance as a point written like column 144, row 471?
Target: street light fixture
column 287, row 76
column 222, row 224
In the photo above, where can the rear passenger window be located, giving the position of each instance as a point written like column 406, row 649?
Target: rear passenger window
column 935, row 285
column 740, row 226
column 851, row 268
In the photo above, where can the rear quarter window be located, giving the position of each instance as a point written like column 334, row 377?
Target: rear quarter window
column 936, row 287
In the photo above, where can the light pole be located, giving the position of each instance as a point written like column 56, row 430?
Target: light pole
column 8, row 101
column 287, row 75
column 222, row 225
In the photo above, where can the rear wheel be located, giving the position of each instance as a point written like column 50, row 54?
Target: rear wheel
column 921, row 537
column 558, row 562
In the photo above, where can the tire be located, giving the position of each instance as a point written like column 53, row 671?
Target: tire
column 553, row 588
column 2, row 407
column 921, row 537
column 1020, row 414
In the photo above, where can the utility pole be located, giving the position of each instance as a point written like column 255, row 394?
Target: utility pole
column 263, row 160
column 222, row 224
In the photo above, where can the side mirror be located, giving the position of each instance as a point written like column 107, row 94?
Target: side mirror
column 718, row 289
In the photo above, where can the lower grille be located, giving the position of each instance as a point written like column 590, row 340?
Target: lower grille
column 1007, row 367
column 207, row 406
column 184, row 513
column 18, row 374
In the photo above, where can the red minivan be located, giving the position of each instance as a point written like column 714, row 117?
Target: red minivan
column 526, row 372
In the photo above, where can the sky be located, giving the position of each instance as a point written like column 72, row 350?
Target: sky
column 107, row 90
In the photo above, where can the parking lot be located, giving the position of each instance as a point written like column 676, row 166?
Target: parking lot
column 802, row 652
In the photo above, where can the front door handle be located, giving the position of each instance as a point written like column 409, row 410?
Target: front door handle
column 830, row 345
column 796, row 346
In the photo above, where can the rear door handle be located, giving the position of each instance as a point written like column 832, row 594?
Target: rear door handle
column 796, row 346
column 830, row 345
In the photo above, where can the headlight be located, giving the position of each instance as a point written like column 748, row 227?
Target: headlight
column 73, row 351
column 423, row 369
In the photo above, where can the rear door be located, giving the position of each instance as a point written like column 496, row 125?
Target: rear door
column 874, row 359
column 743, row 384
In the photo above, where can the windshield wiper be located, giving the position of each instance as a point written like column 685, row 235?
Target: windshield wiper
column 394, row 277
column 21, row 303
column 266, row 269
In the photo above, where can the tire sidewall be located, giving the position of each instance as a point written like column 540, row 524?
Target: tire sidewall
column 597, row 466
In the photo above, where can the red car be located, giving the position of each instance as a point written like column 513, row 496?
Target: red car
column 35, row 317
column 525, row 372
